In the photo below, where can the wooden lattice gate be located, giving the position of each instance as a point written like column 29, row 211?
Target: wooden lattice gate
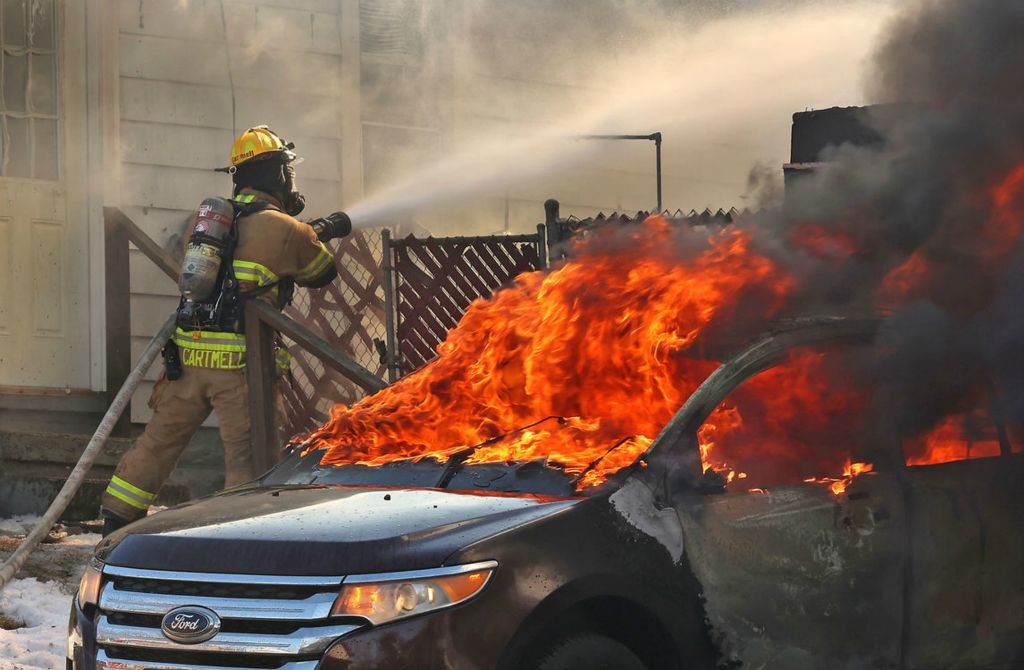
column 430, row 282
column 393, row 327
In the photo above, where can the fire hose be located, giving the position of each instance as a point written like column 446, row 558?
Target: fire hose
column 89, row 455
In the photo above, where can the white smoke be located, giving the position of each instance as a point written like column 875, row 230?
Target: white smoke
column 722, row 93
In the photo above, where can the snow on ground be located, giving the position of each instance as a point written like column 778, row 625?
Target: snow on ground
column 34, row 607
column 20, row 524
column 41, row 611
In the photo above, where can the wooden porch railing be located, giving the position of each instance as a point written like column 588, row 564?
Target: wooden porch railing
column 262, row 323
column 119, row 232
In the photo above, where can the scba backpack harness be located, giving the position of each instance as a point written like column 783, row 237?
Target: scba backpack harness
column 210, row 329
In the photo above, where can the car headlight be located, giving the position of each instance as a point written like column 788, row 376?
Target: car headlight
column 89, row 587
column 389, row 596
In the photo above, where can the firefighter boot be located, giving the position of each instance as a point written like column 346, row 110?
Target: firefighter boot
column 112, row 522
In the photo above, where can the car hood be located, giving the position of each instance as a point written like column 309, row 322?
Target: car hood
column 321, row 530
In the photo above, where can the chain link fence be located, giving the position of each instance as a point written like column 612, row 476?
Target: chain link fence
column 349, row 314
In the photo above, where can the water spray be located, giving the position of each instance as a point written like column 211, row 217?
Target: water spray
column 698, row 90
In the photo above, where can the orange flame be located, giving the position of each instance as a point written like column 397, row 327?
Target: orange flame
column 1005, row 225
column 580, row 366
column 838, row 485
column 960, row 436
column 904, row 279
column 980, row 247
column 823, row 242
column 953, row 440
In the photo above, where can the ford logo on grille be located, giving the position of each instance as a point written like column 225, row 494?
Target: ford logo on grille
column 190, row 625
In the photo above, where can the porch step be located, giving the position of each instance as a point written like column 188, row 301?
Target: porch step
column 29, row 494
column 17, row 419
column 35, row 464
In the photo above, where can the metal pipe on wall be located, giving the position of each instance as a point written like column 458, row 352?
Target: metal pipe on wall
column 653, row 137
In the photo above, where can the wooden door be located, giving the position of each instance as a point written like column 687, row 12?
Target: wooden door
column 44, row 263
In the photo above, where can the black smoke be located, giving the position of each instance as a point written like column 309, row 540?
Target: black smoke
column 950, row 79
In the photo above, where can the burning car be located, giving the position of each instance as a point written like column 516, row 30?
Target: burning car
column 461, row 564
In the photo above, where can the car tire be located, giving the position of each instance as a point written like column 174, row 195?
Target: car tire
column 589, row 651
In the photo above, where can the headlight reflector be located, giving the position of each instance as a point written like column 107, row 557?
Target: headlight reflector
column 383, row 598
column 89, row 587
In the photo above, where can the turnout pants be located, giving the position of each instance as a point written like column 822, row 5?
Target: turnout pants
column 179, row 408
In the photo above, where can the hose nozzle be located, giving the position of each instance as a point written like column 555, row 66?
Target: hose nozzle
column 332, row 226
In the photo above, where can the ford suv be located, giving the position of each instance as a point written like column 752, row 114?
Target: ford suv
column 430, row 565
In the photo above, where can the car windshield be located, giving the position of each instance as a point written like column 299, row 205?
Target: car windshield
column 759, row 435
column 554, row 455
column 529, row 477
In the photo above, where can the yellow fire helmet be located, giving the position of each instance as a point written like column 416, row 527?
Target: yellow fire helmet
column 259, row 143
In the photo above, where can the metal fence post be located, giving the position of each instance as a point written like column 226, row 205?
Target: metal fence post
column 262, row 380
column 390, row 308
column 653, row 137
column 542, row 245
column 657, row 165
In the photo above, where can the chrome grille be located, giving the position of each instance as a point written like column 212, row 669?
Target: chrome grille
column 268, row 621
column 103, row 662
column 316, row 606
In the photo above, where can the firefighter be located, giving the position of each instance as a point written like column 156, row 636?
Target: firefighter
column 271, row 250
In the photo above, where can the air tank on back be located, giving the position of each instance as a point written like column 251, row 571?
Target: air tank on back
column 206, row 246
